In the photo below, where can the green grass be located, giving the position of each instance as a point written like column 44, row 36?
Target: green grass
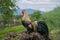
column 5, row 31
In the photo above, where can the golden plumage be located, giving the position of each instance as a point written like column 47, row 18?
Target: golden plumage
column 26, row 17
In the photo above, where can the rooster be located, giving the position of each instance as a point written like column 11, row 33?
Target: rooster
column 37, row 26
column 26, row 21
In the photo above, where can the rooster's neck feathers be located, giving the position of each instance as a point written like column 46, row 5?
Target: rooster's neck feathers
column 26, row 17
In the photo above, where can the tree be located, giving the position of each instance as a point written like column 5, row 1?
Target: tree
column 6, row 9
column 36, row 15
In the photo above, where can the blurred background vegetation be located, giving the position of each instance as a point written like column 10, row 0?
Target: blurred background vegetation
column 12, row 23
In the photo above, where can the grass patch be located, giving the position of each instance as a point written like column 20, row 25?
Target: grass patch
column 55, row 34
column 5, row 31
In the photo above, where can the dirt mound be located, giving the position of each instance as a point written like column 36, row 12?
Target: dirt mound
column 32, row 36
column 24, row 36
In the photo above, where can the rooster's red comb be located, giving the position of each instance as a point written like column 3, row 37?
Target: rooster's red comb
column 23, row 11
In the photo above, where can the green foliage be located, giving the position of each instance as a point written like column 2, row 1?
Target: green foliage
column 6, row 10
column 36, row 15
column 52, row 18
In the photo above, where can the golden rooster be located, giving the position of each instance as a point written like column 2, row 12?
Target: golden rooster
column 37, row 26
column 26, row 21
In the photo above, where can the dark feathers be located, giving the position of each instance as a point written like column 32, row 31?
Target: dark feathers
column 41, row 28
column 26, row 26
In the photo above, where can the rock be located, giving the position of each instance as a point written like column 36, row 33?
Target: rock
column 12, row 34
